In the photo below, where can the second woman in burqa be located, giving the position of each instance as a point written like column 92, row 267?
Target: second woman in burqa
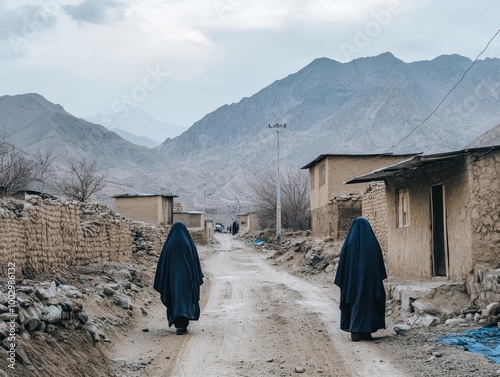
column 178, row 278
column 360, row 275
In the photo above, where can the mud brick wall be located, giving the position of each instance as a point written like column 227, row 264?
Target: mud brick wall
column 374, row 209
column 44, row 235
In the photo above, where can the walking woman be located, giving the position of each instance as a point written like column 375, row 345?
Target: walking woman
column 178, row 278
column 360, row 276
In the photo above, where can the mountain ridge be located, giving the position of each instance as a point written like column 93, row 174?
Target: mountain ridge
column 368, row 105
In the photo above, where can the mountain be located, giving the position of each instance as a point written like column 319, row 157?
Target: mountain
column 366, row 105
column 369, row 105
column 138, row 140
column 489, row 138
column 30, row 122
column 137, row 122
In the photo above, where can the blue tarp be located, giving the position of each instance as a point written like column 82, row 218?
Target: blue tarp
column 259, row 242
column 484, row 341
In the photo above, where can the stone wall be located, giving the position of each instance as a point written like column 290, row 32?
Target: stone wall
column 148, row 239
column 335, row 219
column 45, row 235
column 483, row 285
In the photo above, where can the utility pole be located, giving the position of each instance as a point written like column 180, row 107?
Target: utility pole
column 278, row 184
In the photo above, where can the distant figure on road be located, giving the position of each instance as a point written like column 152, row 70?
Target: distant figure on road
column 235, row 227
column 178, row 278
column 360, row 276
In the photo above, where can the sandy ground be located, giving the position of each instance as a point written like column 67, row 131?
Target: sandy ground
column 256, row 320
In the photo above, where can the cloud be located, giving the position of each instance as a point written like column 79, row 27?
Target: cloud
column 97, row 11
column 20, row 26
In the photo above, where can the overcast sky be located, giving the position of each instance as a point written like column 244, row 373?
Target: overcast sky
column 181, row 59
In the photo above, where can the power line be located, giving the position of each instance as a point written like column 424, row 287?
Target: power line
column 449, row 92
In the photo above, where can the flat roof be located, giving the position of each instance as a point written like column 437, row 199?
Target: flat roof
column 323, row 156
column 144, row 195
column 414, row 163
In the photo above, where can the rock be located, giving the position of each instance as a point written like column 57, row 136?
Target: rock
column 123, row 301
column 8, row 316
column 120, row 361
column 401, row 329
column 4, row 330
column 3, row 308
column 66, row 306
column 92, row 329
column 124, row 274
column 83, row 317
column 454, row 321
column 426, row 321
column 53, row 314
column 493, row 308
column 109, row 291
column 46, row 293
column 299, row 369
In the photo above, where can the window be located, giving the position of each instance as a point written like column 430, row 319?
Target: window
column 312, row 178
column 403, row 208
column 322, row 173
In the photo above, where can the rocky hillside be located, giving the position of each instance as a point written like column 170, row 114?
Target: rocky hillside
column 368, row 104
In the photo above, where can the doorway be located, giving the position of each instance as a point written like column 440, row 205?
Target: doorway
column 439, row 233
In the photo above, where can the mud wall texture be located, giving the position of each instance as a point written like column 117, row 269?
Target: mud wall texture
column 335, row 219
column 374, row 209
column 484, row 206
column 45, row 235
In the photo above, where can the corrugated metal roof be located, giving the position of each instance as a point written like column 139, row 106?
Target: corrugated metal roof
column 414, row 163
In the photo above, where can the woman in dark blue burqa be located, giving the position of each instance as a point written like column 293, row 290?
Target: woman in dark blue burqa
column 178, row 278
column 360, row 276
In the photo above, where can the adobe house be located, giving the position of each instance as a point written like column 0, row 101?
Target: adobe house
column 194, row 220
column 442, row 212
column 154, row 209
column 333, row 208
column 249, row 221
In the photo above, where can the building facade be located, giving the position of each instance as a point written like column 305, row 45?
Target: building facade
column 153, row 209
column 327, row 176
column 442, row 212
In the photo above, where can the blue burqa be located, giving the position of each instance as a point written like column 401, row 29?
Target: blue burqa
column 360, row 276
column 178, row 275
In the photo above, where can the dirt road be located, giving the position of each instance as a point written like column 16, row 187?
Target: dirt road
column 255, row 321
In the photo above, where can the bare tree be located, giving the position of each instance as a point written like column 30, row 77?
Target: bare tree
column 295, row 210
column 16, row 170
column 43, row 167
column 295, row 205
column 84, row 179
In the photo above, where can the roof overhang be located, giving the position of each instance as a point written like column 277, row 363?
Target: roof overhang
column 412, row 164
